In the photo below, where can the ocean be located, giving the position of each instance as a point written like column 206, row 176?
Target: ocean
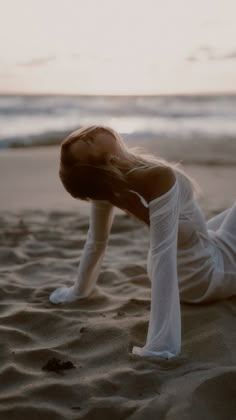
column 193, row 127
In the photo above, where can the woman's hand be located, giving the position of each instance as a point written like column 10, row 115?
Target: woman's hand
column 64, row 295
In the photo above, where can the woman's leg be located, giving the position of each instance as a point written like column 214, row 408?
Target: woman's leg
column 222, row 281
column 215, row 222
column 226, row 236
column 229, row 223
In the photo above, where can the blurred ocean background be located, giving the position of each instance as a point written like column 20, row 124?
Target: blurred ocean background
column 192, row 128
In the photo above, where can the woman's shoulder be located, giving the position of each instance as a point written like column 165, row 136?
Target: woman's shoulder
column 155, row 181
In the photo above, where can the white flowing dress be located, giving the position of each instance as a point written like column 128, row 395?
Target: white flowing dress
column 189, row 260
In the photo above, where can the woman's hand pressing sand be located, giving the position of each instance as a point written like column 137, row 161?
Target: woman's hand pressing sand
column 64, row 295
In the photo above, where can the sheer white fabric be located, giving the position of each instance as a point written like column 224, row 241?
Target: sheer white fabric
column 187, row 254
column 164, row 331
column 101, row 217
column 189, row 259
column 206, row 253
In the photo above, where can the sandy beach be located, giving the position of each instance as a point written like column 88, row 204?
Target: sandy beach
column 74, row 361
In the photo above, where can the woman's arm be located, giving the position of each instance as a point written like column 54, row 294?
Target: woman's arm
column 216, row 221
column 101, row 217
column 164, row 331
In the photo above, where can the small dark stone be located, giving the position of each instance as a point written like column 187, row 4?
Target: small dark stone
column 83, row 329
column 56, row 365
column 119, row 314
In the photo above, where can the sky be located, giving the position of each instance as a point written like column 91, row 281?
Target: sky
column 117, row 46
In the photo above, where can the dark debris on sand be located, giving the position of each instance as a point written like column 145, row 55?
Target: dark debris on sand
column 57, row 365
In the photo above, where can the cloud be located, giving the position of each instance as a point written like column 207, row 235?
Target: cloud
column 206, row 53
column 76, row 55
column 89, row 57
column 37, row 62
column 230, row 56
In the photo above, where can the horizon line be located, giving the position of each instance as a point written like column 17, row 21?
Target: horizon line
column 193, row 93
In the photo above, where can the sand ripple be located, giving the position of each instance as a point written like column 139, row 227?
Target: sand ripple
column 39, row 252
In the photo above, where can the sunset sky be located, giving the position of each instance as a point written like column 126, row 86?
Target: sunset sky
column 117, row 46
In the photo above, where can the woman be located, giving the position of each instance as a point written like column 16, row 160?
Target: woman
column 188, row 259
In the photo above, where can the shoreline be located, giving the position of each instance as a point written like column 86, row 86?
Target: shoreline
column 29, row 180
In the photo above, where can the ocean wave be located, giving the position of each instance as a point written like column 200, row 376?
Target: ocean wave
column 180, row 123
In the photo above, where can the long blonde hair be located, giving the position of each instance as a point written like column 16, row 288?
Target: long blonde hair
column 100, row 179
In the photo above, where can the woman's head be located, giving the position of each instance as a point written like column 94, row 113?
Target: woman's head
column 95, row 163
column 92, row 145
column 87, row 167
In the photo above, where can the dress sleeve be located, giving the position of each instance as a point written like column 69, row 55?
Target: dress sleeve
column 101, row 218
column 164, row 331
